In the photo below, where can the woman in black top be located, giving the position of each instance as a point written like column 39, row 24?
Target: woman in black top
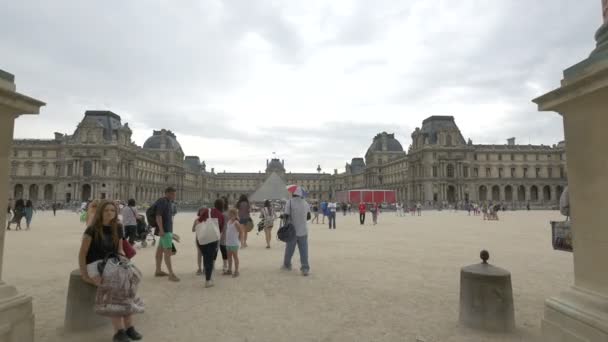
column 19, row 212
column 104, row 236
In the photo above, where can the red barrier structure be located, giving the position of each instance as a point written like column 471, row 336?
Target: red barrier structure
column 367, row 196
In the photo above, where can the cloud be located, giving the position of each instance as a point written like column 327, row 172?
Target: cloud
column 311, row 80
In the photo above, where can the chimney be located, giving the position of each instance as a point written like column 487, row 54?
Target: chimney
column 266, row 162
column 511, row 141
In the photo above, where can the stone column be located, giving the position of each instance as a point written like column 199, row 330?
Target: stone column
column 16, row 315
column 580, row 313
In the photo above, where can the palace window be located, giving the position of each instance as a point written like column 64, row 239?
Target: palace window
column 450, row 171
column 70, row 170
column 476, row 172
column 44, row 154
column 475, row 156
column 525, row 172
column 487, row 156
column 550, row 172
column 538, row 172
column 500, row 172
column 29, row 153
column 434, row 171
column 512, row 156
column 488, row 172
column 537, row 156
column 561, row 172
column 500, row 157
column 512, row 172
column 15, row 153
column 465, row 171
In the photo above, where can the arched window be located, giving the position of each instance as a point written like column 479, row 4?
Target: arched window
column 450, row 171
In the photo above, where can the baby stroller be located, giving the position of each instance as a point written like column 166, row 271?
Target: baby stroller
column 144, row 232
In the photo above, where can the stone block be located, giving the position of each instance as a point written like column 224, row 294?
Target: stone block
column 486, row 298
column 79, row 314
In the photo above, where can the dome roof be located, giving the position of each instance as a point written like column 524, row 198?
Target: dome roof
column 384, row 142
column 163, row 140
column 275, row 165
column 104, row 118
column 357, row 165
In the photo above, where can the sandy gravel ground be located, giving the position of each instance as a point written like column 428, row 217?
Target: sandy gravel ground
column 397, row 281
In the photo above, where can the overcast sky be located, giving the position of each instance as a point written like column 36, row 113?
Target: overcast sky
column 311, row 80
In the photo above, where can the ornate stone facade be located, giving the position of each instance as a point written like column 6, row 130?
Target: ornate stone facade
column 441, row 166
column 100, row 160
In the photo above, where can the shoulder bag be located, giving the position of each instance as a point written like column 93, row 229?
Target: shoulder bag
column 287, row 232
column 207, row 231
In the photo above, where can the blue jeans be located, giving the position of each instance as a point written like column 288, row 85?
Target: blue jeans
column 290, row 248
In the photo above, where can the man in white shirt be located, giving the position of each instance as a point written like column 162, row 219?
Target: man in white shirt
column 298, row 210
column 331, row 211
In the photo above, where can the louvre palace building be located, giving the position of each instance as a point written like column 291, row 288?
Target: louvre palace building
column 99, row 160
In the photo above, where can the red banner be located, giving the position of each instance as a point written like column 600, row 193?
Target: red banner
column 355, row 197
column 390, row 197
column 378, row 196
column 368, row 196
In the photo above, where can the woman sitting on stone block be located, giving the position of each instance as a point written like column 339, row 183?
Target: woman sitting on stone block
column 103, row 237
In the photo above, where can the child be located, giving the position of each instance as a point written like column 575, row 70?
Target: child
column 234, row 238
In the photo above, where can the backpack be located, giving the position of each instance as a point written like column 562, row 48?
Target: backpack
column 151, row 215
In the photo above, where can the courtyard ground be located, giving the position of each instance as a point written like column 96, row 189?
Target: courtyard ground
column 397, row 281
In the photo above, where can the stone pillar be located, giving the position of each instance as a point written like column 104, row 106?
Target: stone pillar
column 16, row 314
column 580, row 313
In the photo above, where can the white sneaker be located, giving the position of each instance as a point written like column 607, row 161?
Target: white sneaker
column 209, row 284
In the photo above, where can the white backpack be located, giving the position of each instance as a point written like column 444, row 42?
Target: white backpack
column 207, row 231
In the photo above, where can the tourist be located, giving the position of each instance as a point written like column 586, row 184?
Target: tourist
column 362, row 210
column 350, row 209
column 54, row 208
column 29, row 213
column 102, row 237
column 399, row 209
column 209, row 250
column 18, row 213
column 164, row 221
column 199, row 255
column 344, row 208
column 419, row 209
column 315, row 212
column 129, row 220
column 90, row 210
column 244, row 217
column 9, row 212
column 323, row 211
column 374, row 209
column 234, row 237
column 331, row 213
column 297, row 211
column 267, row 216
column 223, row 234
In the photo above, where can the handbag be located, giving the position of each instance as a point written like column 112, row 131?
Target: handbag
column 287, row 232
column 249, row 225
column 129, row 250
column 117, row 294
column 207, row 231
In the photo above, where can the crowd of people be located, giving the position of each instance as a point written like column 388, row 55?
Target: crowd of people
column 107, row 233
